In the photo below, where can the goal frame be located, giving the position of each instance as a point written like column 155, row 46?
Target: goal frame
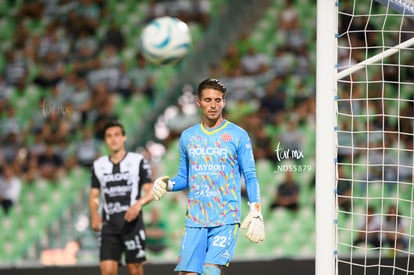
column 327, row 76
column 326, row 56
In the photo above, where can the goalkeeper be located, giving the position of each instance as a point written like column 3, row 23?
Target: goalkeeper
column 214, row 157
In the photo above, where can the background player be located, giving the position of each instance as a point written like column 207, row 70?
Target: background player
column 214, row 156
column 119, row 179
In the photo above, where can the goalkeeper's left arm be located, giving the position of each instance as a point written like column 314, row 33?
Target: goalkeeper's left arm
column 254, row 220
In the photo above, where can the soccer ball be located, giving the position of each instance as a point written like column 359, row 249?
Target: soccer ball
column 165, row 41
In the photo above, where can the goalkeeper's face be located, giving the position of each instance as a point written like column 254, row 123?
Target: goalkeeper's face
column 211, row 103
column 115, row 139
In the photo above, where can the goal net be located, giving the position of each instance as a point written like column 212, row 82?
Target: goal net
column 374, row 194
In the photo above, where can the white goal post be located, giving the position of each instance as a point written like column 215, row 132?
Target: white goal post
column 326, row 29
column 360, row 75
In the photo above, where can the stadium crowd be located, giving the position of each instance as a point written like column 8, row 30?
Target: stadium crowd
column 58, row 86
column 69, row 63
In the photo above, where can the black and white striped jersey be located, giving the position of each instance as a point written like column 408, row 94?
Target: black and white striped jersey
column 120, row 184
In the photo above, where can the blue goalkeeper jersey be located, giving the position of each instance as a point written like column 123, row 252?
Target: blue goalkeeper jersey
column 213, row 163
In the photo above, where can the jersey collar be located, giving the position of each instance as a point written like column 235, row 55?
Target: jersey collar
column 214, row 130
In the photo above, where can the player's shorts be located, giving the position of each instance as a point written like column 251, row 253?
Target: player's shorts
column 213, row 245
column 131, row 241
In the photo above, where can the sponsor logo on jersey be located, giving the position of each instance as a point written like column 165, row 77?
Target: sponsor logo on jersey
column 116, row 207
column 205, row 192
column 208, row 151
column 208, row 167
column 226, row 137
column 117, row 190
column 122, row 184
column 116, row 177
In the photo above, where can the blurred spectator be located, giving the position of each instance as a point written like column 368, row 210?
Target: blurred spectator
column 10, row 187
column 287, row 194
column 30, row 9
column 11, row 144
column 344, row 190
column 67, row 86
column 282, row 62
column 51, row 70
column 80, row 100
column 110, row 63
column 291, row 137
column 366, row 38
column 179, row 118
column 125, row 85
column 100, row 94
column 5, row 93
column 31, row 45
column 56, row 128
column 396, row 229
column 156, row 9
column 87, row 148
column 273, row 100
column 72, row 24
column 25, row 165
column 344, row 137
column 254, row 62
column 296, row 38
column 104, row 113
column 303, row 92
column 85, row 57
column 155, row 231
column 38, row 144
column 369, row 227
column 288, row 16
column 50, row 163
column 89, row 12
column 405, row 171
column 303, row 66
column 15, row 68
column 191, row 10
column 114, row 36
column 153, row 153
column 142, row 78
column 9, row 121
column 20, row 36
column 53, row 41
column 262, row 145
column 243, row 88
column 231, row 61
column 201, row 12
column 289, row 27
column 110, row 58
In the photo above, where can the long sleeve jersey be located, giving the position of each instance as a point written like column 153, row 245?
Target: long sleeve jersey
column 213, row 163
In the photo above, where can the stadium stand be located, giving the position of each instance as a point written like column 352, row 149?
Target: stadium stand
column 51, row 214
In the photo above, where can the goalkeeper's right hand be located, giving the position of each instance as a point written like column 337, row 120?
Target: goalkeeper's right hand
column 161, row 186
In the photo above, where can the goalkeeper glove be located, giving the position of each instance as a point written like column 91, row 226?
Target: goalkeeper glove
column 161, row 186
column 254, row 224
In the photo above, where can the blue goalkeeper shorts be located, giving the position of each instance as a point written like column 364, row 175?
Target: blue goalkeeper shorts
column 201, row 245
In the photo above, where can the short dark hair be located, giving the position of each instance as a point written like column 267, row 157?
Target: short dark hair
column 211, row 83
column 113, row 123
